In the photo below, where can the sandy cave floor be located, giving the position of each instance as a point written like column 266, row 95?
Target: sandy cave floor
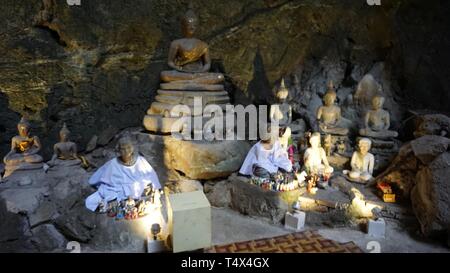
column 229, row 226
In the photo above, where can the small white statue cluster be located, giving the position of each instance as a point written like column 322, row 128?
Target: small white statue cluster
column 268, row 157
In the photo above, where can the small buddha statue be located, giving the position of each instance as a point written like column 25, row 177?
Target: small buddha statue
column 24, row 150
column 189, row 57
column 362, row 162
column 315, row 158
column 65, row 151
column 377, row 121
column 329, row 115
column 282, row 113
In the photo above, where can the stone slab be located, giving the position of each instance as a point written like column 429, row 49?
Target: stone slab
column 191, row 86
column 161, row 108
column 191, row 93
column 190, row 100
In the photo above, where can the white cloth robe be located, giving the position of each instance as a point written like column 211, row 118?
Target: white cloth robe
column 270, row 160
column 117, row 181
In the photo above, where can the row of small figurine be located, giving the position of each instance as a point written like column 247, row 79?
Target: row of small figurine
column 130, row 208
column 273, row 185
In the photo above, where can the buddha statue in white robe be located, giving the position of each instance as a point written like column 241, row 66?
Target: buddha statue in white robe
column 122, row 177
column 265, row 158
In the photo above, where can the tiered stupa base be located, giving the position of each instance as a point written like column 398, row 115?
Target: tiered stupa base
column 161, row 117
column 195, row 159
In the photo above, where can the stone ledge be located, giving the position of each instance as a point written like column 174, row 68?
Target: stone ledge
column 252, row 200
column 191, row 86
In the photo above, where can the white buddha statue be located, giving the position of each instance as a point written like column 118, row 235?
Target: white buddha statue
column 122, row 177
column 282, row 113
column 315, row 157
column 362, row 162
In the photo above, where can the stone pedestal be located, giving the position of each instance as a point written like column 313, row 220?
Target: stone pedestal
column 189, row 221
column 9, row 169
column 376, row 228
column 161, row 119
column 384, row 147
column 295, row 220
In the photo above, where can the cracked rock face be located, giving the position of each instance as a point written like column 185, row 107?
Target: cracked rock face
column 97, row 66
column 48, row 214
column 421, row 171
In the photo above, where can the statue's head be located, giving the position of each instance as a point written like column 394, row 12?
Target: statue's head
column 364, row 145
column 268, row 136
column 314, row 140
column 23, row 127
column 377, row 102
column 126, row 149
column 282, row 92
column 189, row 23
column 64, row 133
column 329, row 97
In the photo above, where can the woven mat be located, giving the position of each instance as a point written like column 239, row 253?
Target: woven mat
column 300, row 242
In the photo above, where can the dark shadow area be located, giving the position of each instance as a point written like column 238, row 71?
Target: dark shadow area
column 8, row 125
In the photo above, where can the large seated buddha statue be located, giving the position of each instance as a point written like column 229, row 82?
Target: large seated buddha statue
column 189, row 57
column 189, row 80
column 329, row 115
column 377, row 121
column 24, row 150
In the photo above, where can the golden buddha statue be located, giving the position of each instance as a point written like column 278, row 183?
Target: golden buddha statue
column 24, row 150
column 189, row 57
column 65, row 151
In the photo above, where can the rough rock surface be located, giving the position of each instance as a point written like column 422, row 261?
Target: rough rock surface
column 430, row 196
column 49, row 213
column 248, row 199
column 41, row 210
column 413, row 156
column 421, row 171
column 204, row 159
column 176, row 159
column 96, row 66
column 436, row 124
column 218, row 193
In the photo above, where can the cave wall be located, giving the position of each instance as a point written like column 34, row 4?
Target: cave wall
column 96, row 66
